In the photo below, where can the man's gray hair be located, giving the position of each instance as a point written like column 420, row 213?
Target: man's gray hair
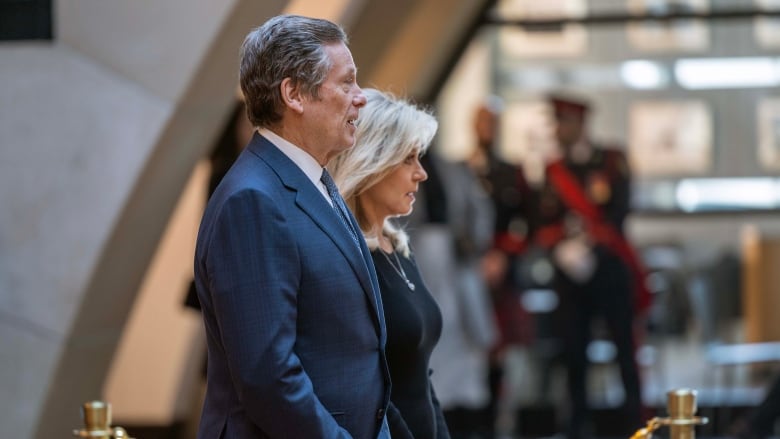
column 286, row 46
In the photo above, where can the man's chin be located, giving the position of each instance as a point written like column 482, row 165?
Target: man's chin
column 348, row 146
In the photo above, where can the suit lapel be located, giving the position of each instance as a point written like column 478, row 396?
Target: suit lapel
column 309, row 199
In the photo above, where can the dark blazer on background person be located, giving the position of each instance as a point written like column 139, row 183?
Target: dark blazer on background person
column 335, row 368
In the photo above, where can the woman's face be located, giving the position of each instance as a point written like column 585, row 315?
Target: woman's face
column 394, row 194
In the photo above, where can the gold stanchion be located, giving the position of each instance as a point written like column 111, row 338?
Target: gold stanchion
column 681, row 406
column 97, row 422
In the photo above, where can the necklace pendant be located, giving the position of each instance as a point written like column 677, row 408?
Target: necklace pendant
column 399, row 270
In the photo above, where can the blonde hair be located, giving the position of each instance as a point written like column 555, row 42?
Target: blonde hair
column 388, row 130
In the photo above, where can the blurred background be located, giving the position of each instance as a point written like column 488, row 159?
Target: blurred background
column 117, row 116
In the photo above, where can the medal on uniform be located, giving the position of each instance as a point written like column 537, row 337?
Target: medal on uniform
column 598, row 188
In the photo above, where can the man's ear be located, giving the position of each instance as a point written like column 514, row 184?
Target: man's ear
column 291, row 95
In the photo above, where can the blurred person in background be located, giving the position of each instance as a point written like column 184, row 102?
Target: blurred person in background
column 235, row 136
column 511, row 198
column 451, row 228
column 583, row 204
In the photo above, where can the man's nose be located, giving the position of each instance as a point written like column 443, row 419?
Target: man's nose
column 360, row 99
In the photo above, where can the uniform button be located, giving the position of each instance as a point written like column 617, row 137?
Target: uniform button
column 380, row 414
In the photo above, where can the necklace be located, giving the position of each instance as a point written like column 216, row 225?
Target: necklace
column 399, row 269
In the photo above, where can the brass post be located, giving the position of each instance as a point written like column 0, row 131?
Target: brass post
column 681, row 405
column 97, row 422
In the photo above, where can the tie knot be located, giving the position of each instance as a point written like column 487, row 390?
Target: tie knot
column 327, row 180
column 338, row 204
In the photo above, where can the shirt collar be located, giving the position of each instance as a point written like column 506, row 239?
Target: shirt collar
column 301, row 158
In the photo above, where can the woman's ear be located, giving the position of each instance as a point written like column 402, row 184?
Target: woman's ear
column 291, row 95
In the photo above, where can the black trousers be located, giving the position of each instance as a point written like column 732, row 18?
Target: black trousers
column 607, row 295
column 467, row 423
column 762, row 420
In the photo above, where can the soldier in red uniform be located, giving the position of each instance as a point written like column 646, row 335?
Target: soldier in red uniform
column 582, row 206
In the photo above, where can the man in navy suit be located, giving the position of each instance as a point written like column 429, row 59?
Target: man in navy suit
column 294, row 320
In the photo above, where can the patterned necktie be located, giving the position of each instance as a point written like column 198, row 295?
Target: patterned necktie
column 338, row 205
column 341, row 211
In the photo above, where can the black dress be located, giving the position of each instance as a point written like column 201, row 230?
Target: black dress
column 414, row 325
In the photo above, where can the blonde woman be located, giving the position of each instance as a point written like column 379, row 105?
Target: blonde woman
column 378, row 178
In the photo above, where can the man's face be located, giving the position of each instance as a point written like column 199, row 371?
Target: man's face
column 568, row 129
column 485, row 125
column 330, row 118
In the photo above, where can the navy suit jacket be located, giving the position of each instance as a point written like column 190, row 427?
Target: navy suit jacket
column 294, row 320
